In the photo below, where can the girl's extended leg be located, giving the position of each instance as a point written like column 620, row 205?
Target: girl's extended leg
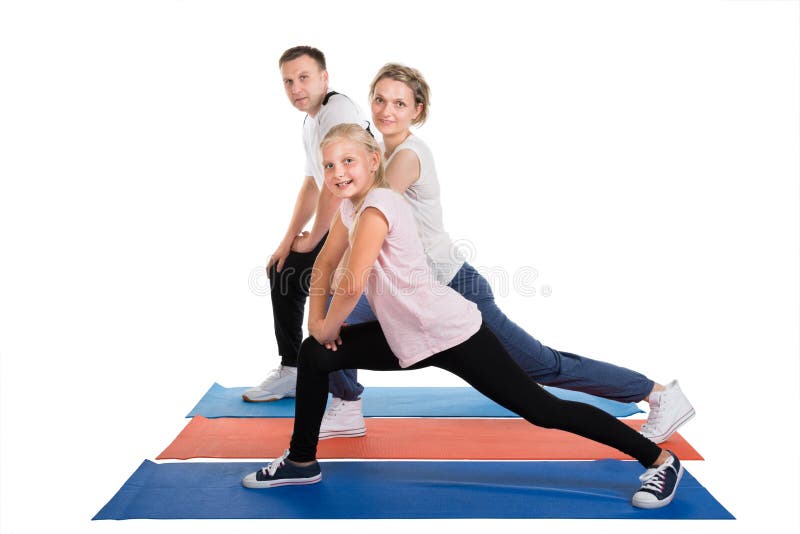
column 506, row 383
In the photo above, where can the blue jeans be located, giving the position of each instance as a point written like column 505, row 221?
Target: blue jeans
column 543, row 364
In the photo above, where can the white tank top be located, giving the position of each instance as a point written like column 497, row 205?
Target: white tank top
column 424, row 196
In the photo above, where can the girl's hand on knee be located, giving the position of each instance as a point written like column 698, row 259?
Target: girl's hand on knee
column 315, row 329
column 331, row 345
column 324, row 336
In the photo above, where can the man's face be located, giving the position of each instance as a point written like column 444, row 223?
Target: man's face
column 305, row 84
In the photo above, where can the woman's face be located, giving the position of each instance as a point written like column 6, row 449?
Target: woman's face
column 393, row 107
column 349, row 168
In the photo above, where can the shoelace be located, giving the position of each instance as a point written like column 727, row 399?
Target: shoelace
column 275, row 464
column 654, row 478
column 656, row 416
column 334, row 410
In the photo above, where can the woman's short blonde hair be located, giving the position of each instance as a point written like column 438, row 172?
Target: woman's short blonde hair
column 413, row 79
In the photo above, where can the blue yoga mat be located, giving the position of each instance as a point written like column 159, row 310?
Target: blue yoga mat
column 405, row 490
column 220, row 401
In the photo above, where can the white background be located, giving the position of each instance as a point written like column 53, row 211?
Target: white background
column 641, row 156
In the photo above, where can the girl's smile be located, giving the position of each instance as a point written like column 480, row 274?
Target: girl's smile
column 349, row 169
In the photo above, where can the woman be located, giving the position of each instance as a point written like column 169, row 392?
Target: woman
column 400, row 99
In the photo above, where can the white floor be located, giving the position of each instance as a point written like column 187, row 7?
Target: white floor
column 625, row 173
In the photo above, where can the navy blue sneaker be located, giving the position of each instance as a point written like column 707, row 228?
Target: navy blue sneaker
column 659, row 484
column 283, row 473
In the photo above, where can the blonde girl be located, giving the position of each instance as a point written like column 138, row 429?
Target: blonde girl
column 421, row 323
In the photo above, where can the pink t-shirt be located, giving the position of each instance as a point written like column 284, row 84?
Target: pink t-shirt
column 419, row 316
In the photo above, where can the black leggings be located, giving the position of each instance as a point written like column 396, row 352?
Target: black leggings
column 289, row 292
column 481, row 361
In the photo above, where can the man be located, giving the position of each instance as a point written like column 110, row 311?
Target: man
column 305, row 80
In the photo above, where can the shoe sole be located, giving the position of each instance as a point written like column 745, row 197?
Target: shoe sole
column 661, row 438
column 343, row 434
column 283, row 482
column 271, row 399
column 648, row 505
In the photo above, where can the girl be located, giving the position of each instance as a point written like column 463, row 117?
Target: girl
column 421, row 323
column 400, row 98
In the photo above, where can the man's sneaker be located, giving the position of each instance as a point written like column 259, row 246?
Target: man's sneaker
column 343, row 420
column 282, row 472
column 659, row 484
column 280, row 383
column 669, row 409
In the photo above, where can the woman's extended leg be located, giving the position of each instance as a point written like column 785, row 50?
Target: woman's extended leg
column 543, row 364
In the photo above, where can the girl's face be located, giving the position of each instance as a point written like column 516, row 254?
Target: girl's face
column 349, row 168
column 393, row 107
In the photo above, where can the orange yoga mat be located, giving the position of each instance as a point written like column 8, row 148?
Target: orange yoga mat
column 402, row 438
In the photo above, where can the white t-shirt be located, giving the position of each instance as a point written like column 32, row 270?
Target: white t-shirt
column 336, row 109
column 418, row 315
column 425, row 199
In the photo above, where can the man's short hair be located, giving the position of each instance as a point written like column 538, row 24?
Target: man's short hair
column 297, row 51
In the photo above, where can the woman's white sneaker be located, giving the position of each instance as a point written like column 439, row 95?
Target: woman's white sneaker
column 343, row 420
column 669, row 409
